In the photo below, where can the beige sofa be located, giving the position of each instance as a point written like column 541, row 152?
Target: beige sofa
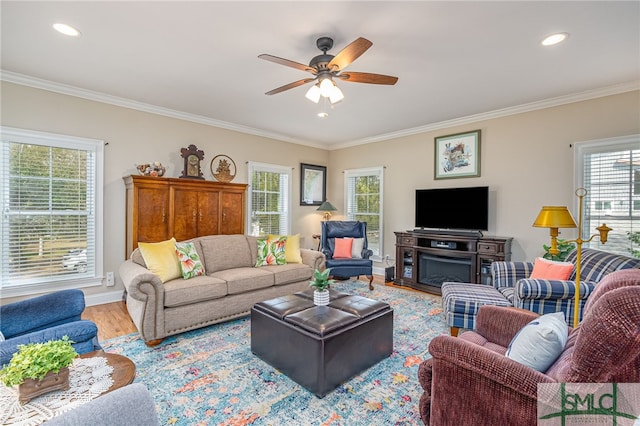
column 231, row 286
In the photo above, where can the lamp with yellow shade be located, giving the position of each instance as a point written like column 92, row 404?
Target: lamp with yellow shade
column 555, row 217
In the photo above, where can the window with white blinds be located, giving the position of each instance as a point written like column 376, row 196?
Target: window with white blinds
column 269, row 203
column 51, row 191
column 610, row 172
column 363, row 202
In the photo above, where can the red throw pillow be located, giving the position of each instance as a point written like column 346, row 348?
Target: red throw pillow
column 343, row 248
column 549, row 270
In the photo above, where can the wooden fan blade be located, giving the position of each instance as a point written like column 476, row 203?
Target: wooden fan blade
column 365, row 77
column 287, row 63
column 349, row 54
column 289, row 86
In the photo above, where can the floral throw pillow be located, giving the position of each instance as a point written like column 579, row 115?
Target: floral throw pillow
column 190, row 263
column 271, row 252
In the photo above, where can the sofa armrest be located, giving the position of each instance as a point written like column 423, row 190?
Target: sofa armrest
column 499, row 324
column 506, row 274
column 531, row 288
column 315, row 259
column 145, row 299
column 82, row 333
column 129, row 405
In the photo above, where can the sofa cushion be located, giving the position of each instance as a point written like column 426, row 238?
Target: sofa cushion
column 550, row 270
column 241, row 280
column 291, row 247
column 271, row 252
column 190, row 264
column 290, row 273
column 222, row 252
column 180, row 292
column 161, row 259
column 540, row 342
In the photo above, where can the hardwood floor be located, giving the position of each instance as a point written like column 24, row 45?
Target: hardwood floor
column 113, row 319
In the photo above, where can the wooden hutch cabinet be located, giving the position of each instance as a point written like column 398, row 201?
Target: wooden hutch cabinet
column 159, row 208
column 426, row 259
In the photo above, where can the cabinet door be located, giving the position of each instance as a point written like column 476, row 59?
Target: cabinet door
column 185, row 213
column 232, row 213
column 208, row 220
column 152, row 214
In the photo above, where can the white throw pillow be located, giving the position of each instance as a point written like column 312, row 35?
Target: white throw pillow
column 539, row 343
column 356, row 248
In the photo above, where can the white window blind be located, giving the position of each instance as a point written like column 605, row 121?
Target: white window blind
column 269, row 203
column 50, row 231
column 363, row 201
column 610, row 170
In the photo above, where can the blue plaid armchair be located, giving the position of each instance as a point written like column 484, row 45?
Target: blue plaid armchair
column 511, row 286
column 512, row 280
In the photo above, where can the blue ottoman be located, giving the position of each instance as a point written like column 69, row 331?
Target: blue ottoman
column 461, row 302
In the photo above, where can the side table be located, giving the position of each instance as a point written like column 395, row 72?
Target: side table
column 124, row 370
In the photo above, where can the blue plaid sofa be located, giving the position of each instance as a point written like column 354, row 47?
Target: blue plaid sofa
column 511, row 286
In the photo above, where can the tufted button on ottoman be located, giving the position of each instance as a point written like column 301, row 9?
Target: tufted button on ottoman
column 320, row 347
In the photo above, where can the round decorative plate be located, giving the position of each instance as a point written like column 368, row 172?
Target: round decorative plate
column 223, row 168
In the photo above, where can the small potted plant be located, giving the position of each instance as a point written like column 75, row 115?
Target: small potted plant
column 321, row 283
column 38, row 368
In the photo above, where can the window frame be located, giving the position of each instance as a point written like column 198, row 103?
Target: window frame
column 349, row 214
column 32, row 137
column 621, row 143
column 252, row 167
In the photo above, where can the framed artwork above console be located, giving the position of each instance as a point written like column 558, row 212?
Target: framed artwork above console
column 457, row 156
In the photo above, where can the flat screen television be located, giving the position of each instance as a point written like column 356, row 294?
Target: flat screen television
column 453, row 208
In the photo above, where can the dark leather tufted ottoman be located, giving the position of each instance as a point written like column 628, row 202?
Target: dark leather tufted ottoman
column 319, row 347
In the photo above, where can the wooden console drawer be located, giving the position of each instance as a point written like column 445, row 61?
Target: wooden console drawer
column 406, row 241
column 490, row 248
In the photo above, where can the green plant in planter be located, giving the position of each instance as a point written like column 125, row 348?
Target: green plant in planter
column 35, row 360
column 564, row 247
column 321, row 280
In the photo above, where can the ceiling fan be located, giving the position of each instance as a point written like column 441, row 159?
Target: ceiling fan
column 326, row 67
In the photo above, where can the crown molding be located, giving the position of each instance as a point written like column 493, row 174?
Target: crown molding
column 66, row 89
column 498, row 113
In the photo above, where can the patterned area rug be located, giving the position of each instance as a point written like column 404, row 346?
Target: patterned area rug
column 210, row 377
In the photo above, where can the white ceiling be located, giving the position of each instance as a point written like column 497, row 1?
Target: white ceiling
column 199, row 60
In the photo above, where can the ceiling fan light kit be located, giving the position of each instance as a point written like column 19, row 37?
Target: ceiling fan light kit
column 326, row 67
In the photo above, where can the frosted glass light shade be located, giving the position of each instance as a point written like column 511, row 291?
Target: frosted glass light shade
column 313, row 94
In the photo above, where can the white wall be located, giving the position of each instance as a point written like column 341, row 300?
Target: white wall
column 525, row 160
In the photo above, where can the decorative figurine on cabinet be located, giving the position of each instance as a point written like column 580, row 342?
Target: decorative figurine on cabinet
column 192, row 157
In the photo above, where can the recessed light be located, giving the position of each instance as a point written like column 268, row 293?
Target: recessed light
column 66, row 29
column 554, row 39
column 323, row 114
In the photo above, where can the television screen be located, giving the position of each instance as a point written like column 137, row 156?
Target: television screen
column 453, row 208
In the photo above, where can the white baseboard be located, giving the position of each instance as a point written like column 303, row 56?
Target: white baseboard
column 102, row 298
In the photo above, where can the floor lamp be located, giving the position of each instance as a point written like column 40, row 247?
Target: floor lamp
column 554, row 217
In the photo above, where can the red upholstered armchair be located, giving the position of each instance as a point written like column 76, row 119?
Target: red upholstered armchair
column 468, row 380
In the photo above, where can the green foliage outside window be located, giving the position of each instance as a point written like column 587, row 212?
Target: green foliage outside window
column 634, row 237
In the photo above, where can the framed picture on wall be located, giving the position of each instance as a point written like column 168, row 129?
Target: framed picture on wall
column 313, row 184
column 457, row 156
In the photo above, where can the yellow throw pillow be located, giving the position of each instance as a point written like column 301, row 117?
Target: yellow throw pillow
column 161, row 259
column 291, row 247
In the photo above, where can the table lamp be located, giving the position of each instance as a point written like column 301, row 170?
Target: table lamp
column 554, row 217
column 327, row 208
